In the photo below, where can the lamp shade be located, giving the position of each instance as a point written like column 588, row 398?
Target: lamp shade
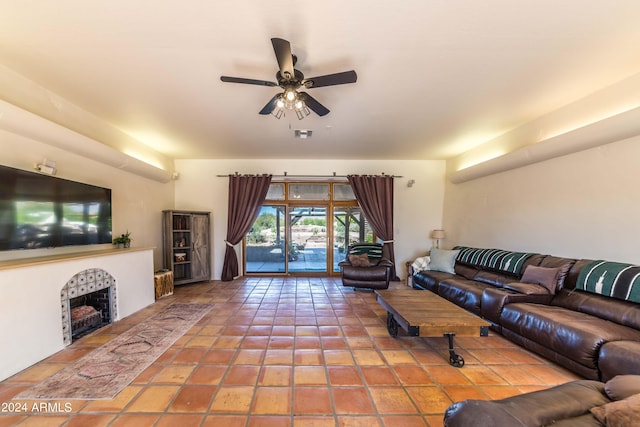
column 437, row 234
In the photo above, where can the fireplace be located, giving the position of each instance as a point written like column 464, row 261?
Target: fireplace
column 88, row 302
column 90, row 312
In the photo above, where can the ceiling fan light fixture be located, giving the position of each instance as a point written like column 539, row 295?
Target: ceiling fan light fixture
column 290, row 80
column 290, row 95
column 302, row 112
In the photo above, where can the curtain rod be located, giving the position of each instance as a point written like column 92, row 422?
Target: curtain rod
column 286, row 175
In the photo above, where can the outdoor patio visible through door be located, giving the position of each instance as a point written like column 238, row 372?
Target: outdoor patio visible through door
column 304, row 228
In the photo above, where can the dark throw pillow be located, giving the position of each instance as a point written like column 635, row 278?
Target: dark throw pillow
column 361, row 260
column 547, row 277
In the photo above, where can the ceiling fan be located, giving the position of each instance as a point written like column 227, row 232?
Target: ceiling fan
column 291, row 80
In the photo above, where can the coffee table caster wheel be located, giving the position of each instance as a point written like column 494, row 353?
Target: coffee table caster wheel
column 456, row 361
column 392, row 325
column 454, row 358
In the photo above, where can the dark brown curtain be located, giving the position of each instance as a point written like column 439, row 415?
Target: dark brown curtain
column 375, row 197
column 246, row 196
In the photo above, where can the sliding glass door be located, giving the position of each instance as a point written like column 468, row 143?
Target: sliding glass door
column 308, row 237
column 265, row 250
column 349, row 226
column 304, row 228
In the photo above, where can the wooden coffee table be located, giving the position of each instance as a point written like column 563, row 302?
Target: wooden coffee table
column 425, row 314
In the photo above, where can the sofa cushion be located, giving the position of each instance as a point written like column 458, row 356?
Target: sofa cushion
column 443, row 260
column 361, row 260
column 463, row 292
column 621, row 413
column 465, row 271
column 575, row 335
column 622, row 386
column 430, row 280
column 527, row 288
column 494, row 279
column 622, row 312
column 373, row 277
column 544, row 276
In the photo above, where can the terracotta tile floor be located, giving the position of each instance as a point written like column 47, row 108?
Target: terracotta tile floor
column 291, row 352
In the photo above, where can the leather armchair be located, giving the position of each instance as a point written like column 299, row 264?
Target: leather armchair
column 375, row 275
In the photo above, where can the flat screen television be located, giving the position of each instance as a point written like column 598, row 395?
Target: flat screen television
column 42, row 211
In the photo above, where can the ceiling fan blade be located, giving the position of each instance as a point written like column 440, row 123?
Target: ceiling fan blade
column 314, row 105
column 331, row 79
column 247, row 81
column 271, row 105
column 282, row 48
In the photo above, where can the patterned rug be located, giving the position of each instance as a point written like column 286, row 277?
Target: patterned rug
column 105, row 371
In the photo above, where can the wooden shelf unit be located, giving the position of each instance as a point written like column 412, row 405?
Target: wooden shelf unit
column 187, row 245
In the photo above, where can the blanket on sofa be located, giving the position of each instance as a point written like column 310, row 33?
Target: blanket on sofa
column 613, row 279
column 494, row 259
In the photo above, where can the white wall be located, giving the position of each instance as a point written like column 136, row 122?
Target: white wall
column 137, row 202
column 582, row 205
column 417, row 209
column 30, row 301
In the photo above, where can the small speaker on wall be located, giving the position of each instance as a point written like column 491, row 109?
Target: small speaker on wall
column 47, row 166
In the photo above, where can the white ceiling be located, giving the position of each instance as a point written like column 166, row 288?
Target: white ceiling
column 435, row 77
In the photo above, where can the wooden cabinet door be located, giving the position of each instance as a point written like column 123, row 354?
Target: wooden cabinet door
column 200, row 259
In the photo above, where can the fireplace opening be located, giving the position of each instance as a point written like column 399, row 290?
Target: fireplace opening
column 90, row 312
column 88, row 301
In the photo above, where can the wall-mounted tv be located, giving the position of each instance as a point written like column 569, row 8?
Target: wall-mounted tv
column 42, row 211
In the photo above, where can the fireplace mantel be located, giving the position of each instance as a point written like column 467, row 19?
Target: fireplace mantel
column 48, row 259
column 30, row 298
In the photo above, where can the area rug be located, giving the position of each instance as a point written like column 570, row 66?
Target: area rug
column 105, row 371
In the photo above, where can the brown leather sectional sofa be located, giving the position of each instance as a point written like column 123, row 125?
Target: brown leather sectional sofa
column 595, row 336
column 583, row 403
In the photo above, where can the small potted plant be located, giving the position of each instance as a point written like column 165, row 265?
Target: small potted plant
column 124, row 240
